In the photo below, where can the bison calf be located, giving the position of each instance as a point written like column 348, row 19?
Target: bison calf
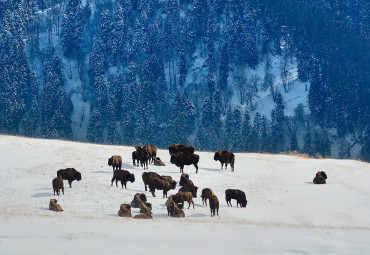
column 69, row 174
column 123, row 176
column 158, row 162
column 181, row 197
column 54, row 206
column 58, row 185
column 236, row 194
column 115, row 162
column 206, row 194
column 213, row 205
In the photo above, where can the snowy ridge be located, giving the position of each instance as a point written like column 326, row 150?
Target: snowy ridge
column 282, row 203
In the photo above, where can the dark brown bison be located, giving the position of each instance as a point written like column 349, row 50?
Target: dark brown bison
column 190, row 188
column 139, row 197
column 125, row 210
column 115, row 162
column 181, row 159
column 320, row 178
column 123, row 176
column 143, row 216
column 135, row 159
column 69, row 174
column 225, row 157
column 158, row 162
column 213, row 205
column 146, row 176
column 174, row 210
column 54, row 206
column 236, row 194
column 143, row 154
column 152, row 149
column 184, row 180
column 206, row 194
column 181, row 196
column 175, row 148
column 58, row 185
column 161, row 183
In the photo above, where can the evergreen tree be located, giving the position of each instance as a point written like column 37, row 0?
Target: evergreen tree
column 246, row 132
column 236, row 130
column 308, row 144
column 228, row 130
column 294, row 142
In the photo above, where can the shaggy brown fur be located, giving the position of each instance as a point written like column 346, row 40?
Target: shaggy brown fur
column 123, row 176
column 158, row 162
column 144, row 208
column 175, row 148
column 175, row 211
column 69, row 174
column 146, row 176
column 139, row 197
column 58, row 185
column 125, row 210
column 143, row 216
column 161, row 183
column 184, row 180
column 213, row 205
column 206, row 194
column 236, row 194
column 191, row 188
column 115, row 162
column 320, row 178
column 225, row 157
column 152, row 149
column 143, row 154
column 181, row 159
column 54, row 206
column 135, row 159
column 181, row 196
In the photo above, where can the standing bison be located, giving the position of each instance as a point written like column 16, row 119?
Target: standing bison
column 236, row 194
column 115, row 162
column 214, row 205
column 123, row 176
column 176, row 148
column 181, row 159
column 225, row 157
column 58, row 185
column 69, row 174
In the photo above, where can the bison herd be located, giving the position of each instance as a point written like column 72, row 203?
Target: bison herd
column 180, row 155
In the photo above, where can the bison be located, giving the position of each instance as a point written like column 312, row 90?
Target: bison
column 69, row 174
column 206, row 194
column 161, row 183
column 181, row 159
column 158, row 162
column 143, row 154
column 146, row 176
column 175, row 148
column 115, row 162
column 138, row 198
column 175, row 210
column 135, row 159
column 320, row 178
column 225, row 157
column 143, row 216
column 181, row 196
column 53, row 205
column 184, row 180
column 236, row 194
column 152, row 149
column 125, row 210
column 58, row 185
column 190, row 188
column 123, row 176
column 213, row 205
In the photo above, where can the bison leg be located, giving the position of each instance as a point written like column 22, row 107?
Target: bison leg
column 112, row 181
column 205, row 200
column 182, row 169
column 116, row 182
column 70, row 183
column 217, row 211
column 196, row 167
column 63, row 190
column 211, row 212
column 225, row 166
column 193, row 204
column 222, row 165
column 145, row 187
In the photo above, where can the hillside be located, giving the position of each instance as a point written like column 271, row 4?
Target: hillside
column 285, row 214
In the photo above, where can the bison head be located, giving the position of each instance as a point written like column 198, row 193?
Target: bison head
column 53, row 201
column 110, row 161
column 78, row 176
column 244, row 203
column 217, row 156
column 194, row 191
column 173, row 158
column 132, row 178
column 173, row 184
column 323, row 174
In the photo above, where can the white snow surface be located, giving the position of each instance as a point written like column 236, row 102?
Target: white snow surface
column 285, row 214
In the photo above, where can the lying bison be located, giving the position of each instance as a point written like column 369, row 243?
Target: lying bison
column 58, row 185
column 69, row 174
column 176, row 148
column 184, row 180
column 236, row 194
column 161, row 183
column 125, row 210
column 174, row 210
column 181, row 159
column 214, row 205
column 138, row 198
column 115, row 162
column 54, row 206
column 225, row 157
column 320, row 178
column 206, row 194
column 146, row 176
column 143, row 216
column 123, row 176
column 158, row 162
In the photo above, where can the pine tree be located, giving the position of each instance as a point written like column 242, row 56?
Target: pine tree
column 307, row 148
column 236, row 130
column 223, row 72
column 228, row 130
column 294, row 142
column 246, row 132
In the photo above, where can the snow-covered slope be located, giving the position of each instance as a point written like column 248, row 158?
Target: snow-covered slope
column 286, row 213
